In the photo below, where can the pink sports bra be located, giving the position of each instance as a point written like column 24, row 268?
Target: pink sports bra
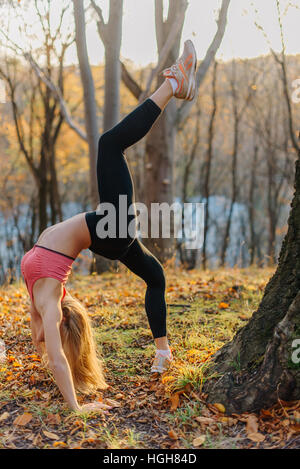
column 42, row 262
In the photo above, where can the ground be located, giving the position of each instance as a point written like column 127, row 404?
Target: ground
column 204, row 311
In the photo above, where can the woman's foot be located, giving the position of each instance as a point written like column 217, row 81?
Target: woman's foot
column 162, row 361
column 184, row 72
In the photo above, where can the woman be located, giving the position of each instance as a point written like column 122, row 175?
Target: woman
column 57, row 319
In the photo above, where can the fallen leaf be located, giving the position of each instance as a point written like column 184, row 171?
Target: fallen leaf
column 205, row 420
column 112, row 403
column 37, row 440
column 58, row 443
column 223, row 305
column 4, row 416
column 199, row 440
column 251, row 424
column 295, row 428
column 22, row 419
column 220, row 407
column 228, row 421
column 296, row 415
column 53, row 419
column 51, row 435
column 173, row 435
column 243, row 317
column 266, row 413
column 175, row 401
column 256, row 437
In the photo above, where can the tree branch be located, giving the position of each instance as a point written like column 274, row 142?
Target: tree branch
column 282, row 63
column 48, row 82
column 205, row 64
column 100, row 23
column 159, row 23
column 164, row 52
column 57, row 94
column 130, row 82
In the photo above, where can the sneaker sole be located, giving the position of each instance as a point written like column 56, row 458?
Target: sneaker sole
column 192, row 85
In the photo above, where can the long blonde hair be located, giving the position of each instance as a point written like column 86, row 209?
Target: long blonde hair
column 79, row 347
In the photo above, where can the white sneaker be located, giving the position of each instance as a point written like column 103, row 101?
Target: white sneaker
column 184, row 72
column 161, row 363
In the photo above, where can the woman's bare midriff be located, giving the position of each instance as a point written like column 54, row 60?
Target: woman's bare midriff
column 68, row 237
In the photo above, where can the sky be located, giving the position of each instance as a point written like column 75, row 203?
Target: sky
column 241, row 39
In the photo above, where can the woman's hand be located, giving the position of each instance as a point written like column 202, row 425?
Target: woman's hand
column 94, row 407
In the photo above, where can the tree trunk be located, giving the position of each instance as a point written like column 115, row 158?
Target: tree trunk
column 271, row 207
column 234, row 163
column 159, row 176
column 256, row 367
column 42, row 199
column 111, row 36
column 208, row 163
column 251, row 205
column 160, row 141
column 89, row 96
column 189, row 257
column 113, row 65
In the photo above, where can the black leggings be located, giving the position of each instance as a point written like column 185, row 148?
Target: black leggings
column 114, row 179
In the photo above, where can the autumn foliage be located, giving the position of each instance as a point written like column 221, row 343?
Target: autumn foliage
column 204, row 311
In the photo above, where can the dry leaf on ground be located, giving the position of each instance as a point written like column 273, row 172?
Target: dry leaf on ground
column 199, row 440
column 23, row 419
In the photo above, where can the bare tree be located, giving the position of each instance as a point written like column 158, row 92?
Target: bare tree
column 251, row 205
column 91, row 121
column 111, row 35
column 188, row 257
column 238, row 112
column 160, row 142
column 208, row 163
column 33, row 95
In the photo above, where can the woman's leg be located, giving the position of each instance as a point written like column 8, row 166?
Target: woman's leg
column 113, row 174
column 163, row 94
column 142, row 263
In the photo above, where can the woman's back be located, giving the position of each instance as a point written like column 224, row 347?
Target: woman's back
column 68, row 237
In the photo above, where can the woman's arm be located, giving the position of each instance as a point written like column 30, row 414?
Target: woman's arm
column 58, row 363
column 47, row 302
column 36, row 319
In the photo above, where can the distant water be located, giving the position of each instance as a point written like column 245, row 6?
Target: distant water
column 11, row 250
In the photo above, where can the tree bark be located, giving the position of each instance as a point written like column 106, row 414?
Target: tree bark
column 161, row 139
column 111, row 36
column 90, row 109
column 112, row 44
column 189, row 257
column 208, row 163
column 234, row 162
column 251, row 205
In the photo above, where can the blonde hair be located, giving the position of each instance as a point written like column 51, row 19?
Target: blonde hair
column 79, row 347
